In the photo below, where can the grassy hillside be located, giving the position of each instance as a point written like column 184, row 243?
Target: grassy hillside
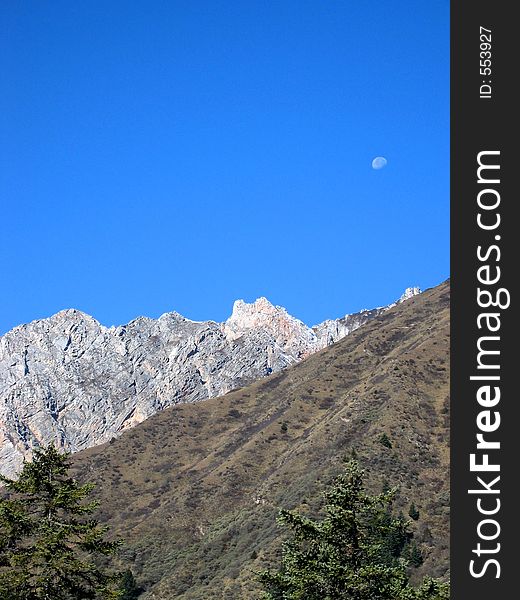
column 195, row 490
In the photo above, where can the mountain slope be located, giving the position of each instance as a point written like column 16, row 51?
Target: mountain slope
column 69, row 378
column 195, row 489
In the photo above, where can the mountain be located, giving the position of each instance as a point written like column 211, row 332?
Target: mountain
column 195, row 489
column 69, row 378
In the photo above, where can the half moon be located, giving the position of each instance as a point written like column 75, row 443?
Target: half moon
column 379, row 162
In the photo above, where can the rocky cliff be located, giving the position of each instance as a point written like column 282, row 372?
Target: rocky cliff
column 69, row 378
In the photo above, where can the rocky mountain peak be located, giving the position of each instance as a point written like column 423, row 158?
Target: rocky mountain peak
column 263, row 316
column 71, row 379
column 409, row 293
column 261, row 311
column 290, row 335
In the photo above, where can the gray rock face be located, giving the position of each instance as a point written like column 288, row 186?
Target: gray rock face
column 72, row 380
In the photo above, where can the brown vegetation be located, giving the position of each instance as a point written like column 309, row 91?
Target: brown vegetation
column 195, row 489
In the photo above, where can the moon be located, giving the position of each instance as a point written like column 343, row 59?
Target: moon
column 379, row 162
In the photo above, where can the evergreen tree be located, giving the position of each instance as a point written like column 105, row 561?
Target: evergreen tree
column 129, row 587
column 353, row 553
column 49, row 541
column 413, row 512
column 414, row 555
column 385, row 440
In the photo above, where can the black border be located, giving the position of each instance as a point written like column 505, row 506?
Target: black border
column 479, row 124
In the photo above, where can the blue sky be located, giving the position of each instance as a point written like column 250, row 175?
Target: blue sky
column 174, row 155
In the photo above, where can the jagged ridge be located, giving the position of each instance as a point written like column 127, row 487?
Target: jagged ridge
column 69, row 378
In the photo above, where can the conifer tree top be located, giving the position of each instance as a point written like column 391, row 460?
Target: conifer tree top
column 49, row 541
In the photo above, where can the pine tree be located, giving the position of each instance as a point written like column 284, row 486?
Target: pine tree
column 49, row 541
column 413, row 512
column 129, row 587
column 414, row 555
column 353, row 553
column 385, row 440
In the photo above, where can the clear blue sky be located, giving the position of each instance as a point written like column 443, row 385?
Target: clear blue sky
column 177, row 155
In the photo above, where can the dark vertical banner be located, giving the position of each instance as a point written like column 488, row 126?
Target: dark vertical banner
column 485, row 247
